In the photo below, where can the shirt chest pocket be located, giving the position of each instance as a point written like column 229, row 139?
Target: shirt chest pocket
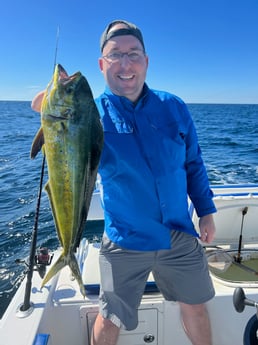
column 113, row 122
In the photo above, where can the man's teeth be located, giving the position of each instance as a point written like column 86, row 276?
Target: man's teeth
column 126, row 77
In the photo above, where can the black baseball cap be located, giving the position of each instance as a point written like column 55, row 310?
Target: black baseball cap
column 130, row 30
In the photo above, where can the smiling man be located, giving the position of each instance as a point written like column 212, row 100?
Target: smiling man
column 150, row 163
column 124, row 62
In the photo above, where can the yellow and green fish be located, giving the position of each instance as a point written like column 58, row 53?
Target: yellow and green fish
column 71, row 136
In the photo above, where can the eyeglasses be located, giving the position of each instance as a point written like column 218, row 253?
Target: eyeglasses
column 133, row 56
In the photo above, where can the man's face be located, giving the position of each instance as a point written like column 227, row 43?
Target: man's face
column 124, row 76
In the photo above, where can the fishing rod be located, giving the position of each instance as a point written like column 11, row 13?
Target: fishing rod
column 27, row 304
column 57, row 42
column 43, row 259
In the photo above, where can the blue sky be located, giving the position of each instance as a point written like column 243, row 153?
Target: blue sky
column 201, row 50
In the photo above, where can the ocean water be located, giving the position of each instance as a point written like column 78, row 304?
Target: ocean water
column 228, row 136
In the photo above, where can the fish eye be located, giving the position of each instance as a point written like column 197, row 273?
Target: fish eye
column 69, row 89
column 67, row 112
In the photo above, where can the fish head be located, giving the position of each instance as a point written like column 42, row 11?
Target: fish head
column 67, row 103
column 64, row 95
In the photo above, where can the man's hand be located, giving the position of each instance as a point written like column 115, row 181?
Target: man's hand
column 37, row 100
column 207, row 228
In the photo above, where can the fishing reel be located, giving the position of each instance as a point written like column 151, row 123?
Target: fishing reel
column 42, row 259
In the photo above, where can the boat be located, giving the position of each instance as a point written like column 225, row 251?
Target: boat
column 58, row 313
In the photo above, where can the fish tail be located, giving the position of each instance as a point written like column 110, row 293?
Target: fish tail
column 61, row 262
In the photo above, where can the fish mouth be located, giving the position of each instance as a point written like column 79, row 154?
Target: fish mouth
column 55, row 118
column 60, row 94
column 63, row 76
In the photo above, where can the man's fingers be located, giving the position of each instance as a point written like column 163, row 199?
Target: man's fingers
column 37, row 100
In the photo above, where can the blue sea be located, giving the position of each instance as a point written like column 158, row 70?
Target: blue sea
column 228, row 136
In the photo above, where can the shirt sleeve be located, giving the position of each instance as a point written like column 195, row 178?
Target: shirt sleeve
column 197, row 179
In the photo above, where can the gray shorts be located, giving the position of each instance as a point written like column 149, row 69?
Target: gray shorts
column 181, row 274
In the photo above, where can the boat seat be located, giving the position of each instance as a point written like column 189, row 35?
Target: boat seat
column 41, row 339
column 229, row 219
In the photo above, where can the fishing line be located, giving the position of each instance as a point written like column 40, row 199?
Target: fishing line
column 57, row 42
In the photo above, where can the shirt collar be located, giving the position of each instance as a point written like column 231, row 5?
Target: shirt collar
column 118, row 100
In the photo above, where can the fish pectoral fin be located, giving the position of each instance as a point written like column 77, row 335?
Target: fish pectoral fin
column 37, row 143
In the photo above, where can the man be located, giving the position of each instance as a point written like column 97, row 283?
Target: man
column 150, row 162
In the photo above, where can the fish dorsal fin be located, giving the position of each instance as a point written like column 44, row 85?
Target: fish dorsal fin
column 37, row 144
column 91, row 173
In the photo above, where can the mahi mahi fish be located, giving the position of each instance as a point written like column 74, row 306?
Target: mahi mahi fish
column 71, row 137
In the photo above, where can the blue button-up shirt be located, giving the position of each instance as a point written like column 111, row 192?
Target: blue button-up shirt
column 151, row 162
